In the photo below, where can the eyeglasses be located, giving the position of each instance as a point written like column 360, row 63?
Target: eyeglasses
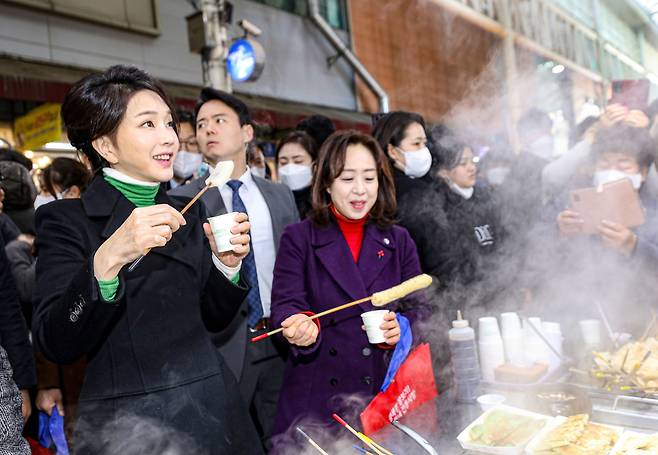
column 188, row 143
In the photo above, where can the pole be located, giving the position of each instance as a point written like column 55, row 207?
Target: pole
column 511, row 77
column 213, row 57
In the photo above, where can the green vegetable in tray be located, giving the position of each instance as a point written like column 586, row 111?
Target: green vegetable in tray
column 504, row 429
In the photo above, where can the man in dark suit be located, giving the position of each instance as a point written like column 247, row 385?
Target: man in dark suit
column 224, row 130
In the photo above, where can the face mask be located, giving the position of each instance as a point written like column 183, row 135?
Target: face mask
column 295, row 176
column 186, row 163
column 417, row 162
column 466, row 193
column 542, row 147
column 258, row 171
column 603, row 177
column 203, row 168
column 497, row 175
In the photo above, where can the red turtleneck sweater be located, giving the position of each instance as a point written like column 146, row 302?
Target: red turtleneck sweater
column 352, row 231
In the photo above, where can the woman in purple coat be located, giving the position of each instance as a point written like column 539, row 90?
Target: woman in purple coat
column 347, row 249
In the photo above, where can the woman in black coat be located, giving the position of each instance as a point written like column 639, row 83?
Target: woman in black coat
column 144, row 333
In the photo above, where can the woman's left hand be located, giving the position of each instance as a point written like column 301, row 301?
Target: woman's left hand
column 240, row 241
column 618, row 237
column 391, row 328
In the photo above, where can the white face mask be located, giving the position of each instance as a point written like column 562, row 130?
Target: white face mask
column 497, row 175
column 603, row 177
column 186, row 163
column 466, row 193
column 543, row 148
column 258, row 171
column 295, row 176
column 417, row 162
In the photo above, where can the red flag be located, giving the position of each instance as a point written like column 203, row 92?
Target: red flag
column 412, row 386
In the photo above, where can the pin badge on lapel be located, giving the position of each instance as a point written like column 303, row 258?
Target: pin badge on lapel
column 380, row 254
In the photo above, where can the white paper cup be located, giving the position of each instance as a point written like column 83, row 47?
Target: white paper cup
column 372, row 320
column 510, row 324
column 221, row 228
column 490, row 400
column 591, row 331
column 488, row 327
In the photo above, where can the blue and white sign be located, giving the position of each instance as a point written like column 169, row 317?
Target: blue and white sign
column 245, row 61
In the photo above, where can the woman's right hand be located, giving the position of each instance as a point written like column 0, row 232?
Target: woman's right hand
column 300, row 330
column 48, row 398
column 145, row 228
column 570, row 223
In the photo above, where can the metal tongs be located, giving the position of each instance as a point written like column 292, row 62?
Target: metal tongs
column 565, row 360
column 416, row 437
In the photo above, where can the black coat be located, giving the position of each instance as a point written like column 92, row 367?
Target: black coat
column 154, row 335
column 13, row 331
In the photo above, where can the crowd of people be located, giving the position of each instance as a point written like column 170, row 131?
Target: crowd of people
column 337, row 216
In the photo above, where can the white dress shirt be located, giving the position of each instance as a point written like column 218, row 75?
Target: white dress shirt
column 262, row 235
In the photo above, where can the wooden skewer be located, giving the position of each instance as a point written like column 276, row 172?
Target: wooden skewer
column 649, row 327
column 362, row 437
column 378, row 299
column 182, row 212
column 311, row 441
column 315, row 316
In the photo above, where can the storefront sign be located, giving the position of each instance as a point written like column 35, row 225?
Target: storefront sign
column 246, row 60
column 38, row 127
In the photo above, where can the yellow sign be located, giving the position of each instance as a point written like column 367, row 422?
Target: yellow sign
column 39, row 126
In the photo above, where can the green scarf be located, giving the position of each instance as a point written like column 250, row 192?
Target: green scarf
column 140, row 195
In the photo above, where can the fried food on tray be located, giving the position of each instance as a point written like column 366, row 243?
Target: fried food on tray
column 640, row 445
column 505, row 429
column 578, row 436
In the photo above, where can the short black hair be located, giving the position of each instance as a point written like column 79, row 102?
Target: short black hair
column 449, row 150
column 534, row 120
column 318, row 127
column 622, row 138
column 301, row 138
column 391, row 127
column 66, row 172
column 236, row 105
column 96, row 104
column 185, row 116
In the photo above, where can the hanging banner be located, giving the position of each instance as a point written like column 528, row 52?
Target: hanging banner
column 38, row 127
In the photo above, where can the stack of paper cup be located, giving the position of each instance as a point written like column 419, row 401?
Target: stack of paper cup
column 591, row 330
column 535, row 348
column 490, row 347
column 553, row 334
column 512, row 339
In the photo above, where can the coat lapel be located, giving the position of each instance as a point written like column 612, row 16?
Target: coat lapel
column 334, row 254
column 377, row 250
column 175, row 247
column 101, row 200
column 213, row 201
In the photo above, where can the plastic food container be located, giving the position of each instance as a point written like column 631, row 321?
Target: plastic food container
column 465, row 440
column 554, row 423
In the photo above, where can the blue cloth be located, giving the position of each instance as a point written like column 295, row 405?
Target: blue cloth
column 401, row 351
column 255, row 309
column 51, row 431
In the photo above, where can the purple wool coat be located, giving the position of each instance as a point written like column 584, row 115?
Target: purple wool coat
column 315, row 271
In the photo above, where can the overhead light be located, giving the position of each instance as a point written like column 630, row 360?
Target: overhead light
column 58, row 146
column 43, row 161
column 28, row 154
column 557, row 69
